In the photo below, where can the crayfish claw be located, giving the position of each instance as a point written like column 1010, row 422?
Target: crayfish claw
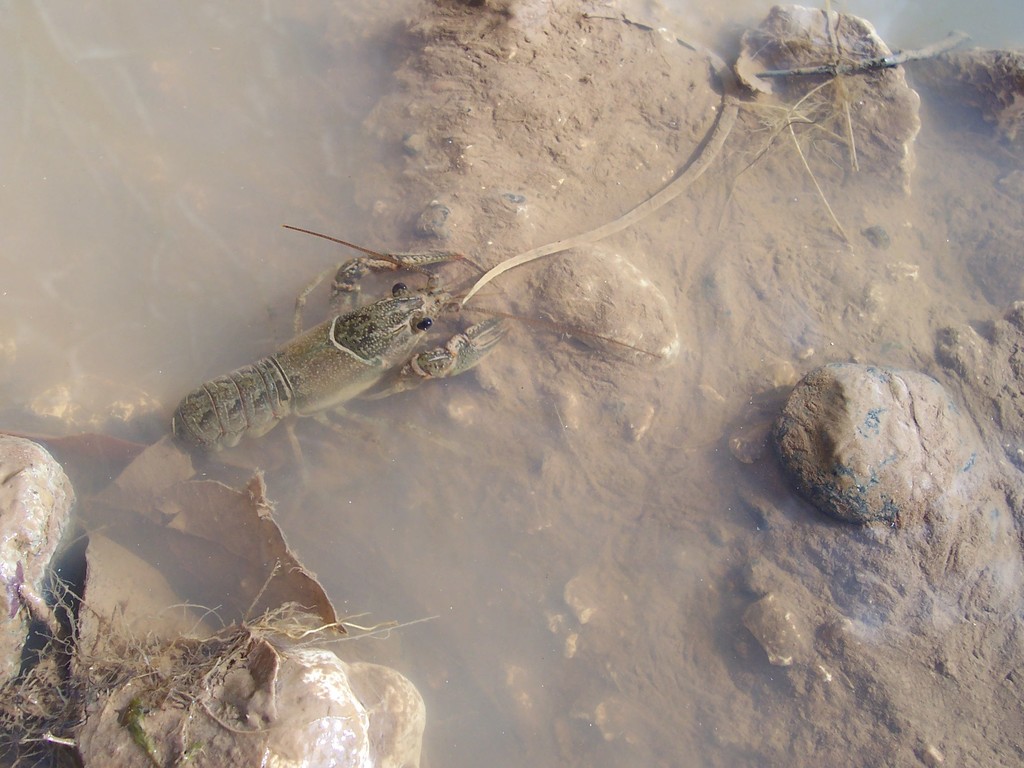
column 461, row 352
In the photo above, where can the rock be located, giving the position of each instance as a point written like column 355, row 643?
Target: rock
column 882, row 108
column 878, row 237
column 866, row 444
column 240, row 699
column 597, row 294
column 991, row 375
column 749, row 437
column 776, row 626
column 996, row 263
column 396, row 713
column 433, row 222
column 92, row 404
column 990, row 82
column 124, row 593
column 747, row 443
column 932, row 756
column 35, row 506
column 595, row 595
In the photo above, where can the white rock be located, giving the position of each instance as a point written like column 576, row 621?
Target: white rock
column 35, row 504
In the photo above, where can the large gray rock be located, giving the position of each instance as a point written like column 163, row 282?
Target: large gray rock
column 866, row 444
column 35, row 505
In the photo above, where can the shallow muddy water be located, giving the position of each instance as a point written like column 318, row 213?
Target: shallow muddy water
column 574, row 535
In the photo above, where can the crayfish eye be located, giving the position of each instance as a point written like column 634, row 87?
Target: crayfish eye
column 424, row 324
column 398, row 289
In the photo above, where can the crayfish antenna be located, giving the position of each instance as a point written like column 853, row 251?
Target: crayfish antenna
column 397, row 260
column 347, row 244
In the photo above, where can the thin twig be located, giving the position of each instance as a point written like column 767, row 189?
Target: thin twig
column 832, row 24
column 821, row 194
column 868, row 65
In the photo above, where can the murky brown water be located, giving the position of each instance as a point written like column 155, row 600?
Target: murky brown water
column 574, row 527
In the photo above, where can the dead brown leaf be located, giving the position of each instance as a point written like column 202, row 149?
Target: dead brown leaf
column 215, row 545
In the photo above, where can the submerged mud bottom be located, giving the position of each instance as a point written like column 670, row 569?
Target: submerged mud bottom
column 689, row 608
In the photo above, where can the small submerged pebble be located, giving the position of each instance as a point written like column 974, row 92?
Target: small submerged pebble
column 93, row 404
column 433, row 222
column 747, row 444
column 776, row 626
column 878, row 237
column 639, row 418
column 996, row 262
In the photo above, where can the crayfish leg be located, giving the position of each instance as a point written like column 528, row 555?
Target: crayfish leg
column 345, row 289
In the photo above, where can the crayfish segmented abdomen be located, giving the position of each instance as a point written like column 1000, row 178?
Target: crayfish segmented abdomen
column 247, row 401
